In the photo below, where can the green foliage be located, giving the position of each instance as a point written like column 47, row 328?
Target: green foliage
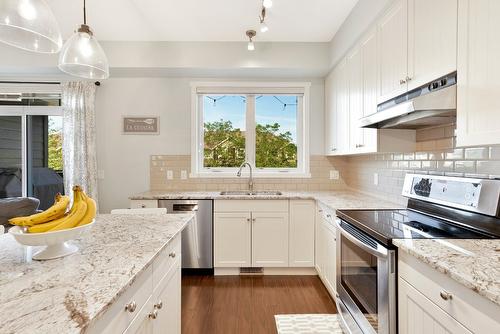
column 274, row 149
column 225, row 146
column 55, row 160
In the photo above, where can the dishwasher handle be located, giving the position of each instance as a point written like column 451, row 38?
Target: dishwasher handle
column 184, row 207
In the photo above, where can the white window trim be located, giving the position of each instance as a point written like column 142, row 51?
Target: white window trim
column 303, row 170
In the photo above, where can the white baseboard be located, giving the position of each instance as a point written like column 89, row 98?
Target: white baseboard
column 309, row 271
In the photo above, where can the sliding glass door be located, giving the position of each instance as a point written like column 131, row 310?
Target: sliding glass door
column 11, row 156
column 31, row 152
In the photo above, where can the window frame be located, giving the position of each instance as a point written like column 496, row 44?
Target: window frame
column 252, row 90
column 24, row 112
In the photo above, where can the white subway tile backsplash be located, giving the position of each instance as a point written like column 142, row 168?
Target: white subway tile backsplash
column 476, row 153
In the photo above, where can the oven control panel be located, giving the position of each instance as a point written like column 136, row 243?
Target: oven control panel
column 471, row 194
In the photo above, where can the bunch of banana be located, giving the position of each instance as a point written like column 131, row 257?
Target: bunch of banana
column 81, row 213
column 56, row 211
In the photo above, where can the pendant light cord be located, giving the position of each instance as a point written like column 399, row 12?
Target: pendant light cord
column 84, row 13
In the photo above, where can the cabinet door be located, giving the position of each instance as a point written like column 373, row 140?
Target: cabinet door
column 232, row 233
column 369, row 137
column 269, row 239
column 301, row 233
column 478, row 105
column 418, row 315
column 342, row 109
column 330, row 113
column 355, row 88
column 331, row 258
column 432, row 40
column 393, row 53
column 318, row 244
column 167, row 302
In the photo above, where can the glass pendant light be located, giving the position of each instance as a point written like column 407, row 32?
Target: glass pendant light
column 29, row 25
column 82, row 56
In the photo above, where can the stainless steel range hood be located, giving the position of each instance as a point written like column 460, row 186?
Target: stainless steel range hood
column 432, row 104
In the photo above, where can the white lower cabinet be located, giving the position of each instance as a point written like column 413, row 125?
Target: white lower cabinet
column 264, row 233
column 326, row 249
column 232, row 239
column 302, row 233
column 431, row 302
column 417, row 314
column 152, row 304
column 269, row 239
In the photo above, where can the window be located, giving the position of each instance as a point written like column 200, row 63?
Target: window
column 31, row 149
column 234, row 123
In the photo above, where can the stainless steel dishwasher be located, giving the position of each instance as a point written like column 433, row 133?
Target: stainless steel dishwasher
column 197, row 237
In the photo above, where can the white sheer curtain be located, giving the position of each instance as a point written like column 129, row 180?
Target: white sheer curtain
column 79, row 147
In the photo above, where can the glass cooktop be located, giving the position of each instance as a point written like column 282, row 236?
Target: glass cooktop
column 385, row 225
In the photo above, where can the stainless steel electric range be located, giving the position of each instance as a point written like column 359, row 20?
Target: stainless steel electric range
column 438, row 207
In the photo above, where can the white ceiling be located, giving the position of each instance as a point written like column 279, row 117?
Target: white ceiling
column 203, row 20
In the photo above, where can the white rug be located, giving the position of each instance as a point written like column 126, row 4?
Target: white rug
column 308, row 324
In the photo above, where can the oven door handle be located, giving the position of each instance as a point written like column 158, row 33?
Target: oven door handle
column 380, row 251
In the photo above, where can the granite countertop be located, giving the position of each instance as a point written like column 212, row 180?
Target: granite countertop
column 335, row 199
column 473, row 263
column 65, row 295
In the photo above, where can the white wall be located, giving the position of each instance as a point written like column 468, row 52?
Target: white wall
column 359, row 20
column 124, row 159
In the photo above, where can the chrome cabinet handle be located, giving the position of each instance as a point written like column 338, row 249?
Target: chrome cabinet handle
column 254, row 219
column 153, row 315
column 333, row 149
column 408, row 78
column 445, row 295
column 402, row 81
column 143, row 206
column 248, row 220
column 328, row 215
column 130, row 307
column 359, row 145
column 172, row 255
column 158, row 305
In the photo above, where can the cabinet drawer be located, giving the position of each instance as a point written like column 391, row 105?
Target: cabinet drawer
column 143, row 204
column 251, row 205
column 166, row 259
column 473, row 311
column 118, row 318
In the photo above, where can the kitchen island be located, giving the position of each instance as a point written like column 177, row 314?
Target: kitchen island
column 72, row 294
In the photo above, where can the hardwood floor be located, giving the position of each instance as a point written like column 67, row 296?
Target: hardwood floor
column 247, row 304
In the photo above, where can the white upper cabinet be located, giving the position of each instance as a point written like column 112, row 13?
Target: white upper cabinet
column 417, row 44
column 368, row 49
column 432, row 40
column 342, row 109
column 330, row 114
column 478, row 105
column 355, row 82
column 392, row 52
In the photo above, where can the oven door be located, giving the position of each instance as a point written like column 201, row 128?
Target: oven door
column 366, row 282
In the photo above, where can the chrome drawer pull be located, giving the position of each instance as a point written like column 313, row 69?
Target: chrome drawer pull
column 445, row 295
column 172, row 255
column 153, row 315
column 158, row 305
column 130, row 307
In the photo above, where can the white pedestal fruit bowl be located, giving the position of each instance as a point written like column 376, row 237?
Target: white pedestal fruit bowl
column 55, row 242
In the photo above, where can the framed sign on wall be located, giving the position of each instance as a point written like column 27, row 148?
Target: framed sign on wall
column 141, row 125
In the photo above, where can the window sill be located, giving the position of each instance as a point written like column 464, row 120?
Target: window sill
column 256, row 175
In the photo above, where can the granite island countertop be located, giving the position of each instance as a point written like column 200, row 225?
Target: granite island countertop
column 335, row 199
column 473, row 263
column 65, row 295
